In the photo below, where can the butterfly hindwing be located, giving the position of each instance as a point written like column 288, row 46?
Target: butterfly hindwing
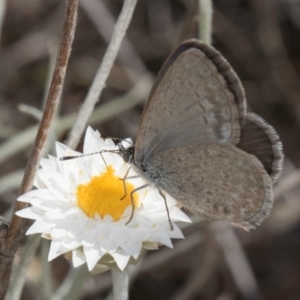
column 217, row 180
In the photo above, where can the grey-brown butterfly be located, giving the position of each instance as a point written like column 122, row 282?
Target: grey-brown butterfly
column 197, row 142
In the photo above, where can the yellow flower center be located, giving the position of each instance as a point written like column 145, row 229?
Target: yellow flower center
column 103, row 195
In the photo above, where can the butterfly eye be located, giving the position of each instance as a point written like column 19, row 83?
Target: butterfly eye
column 144, row 168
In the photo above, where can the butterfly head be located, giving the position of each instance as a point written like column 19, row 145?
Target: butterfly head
column 126, row 149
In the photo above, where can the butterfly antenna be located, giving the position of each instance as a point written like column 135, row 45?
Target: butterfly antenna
column 94, row 153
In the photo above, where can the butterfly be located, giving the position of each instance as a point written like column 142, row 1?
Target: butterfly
column 197, row 142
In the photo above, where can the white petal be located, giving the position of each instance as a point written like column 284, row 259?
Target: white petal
column 56, row 250
column 75, row 212
column 52, row 205
column 170, row 200
column 151, row 196
column 108, row 219
column 100, row 268
column 121, row 258
column 109, row 144
column 95, row 165
column 120, row 232
column 136, row 256
column 40, row 226
column 46, row 194
column 43, row 176
column 132, row 247
column 55, row 215
column 38, row 183
column 40, row 193
column 59, row 183
column 28, row 196
column 92, row 254
column 92, row 141
column 110, row 158
column 178, row 215
column 71, row 243
column 159, row 217
column 176, row 232
column 110, row 244
column 77, row 227
column 161, row 237
column 31, row 212
column 121, row 172
column 62, row 228
column 139, row 234
column 49, row 164
column 78, row 258
column 127, row 143
column 46, row 236
column 143, row 221
column 63, row 150
column 89, row 237
column 150, row 245
column 103, row 230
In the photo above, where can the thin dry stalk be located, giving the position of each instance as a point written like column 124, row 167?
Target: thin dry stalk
column 203, row 272
column 104, row 22
column 2, row 13
column 10, row 243
column 102, row 73
column 236, row 261
column 205, row 20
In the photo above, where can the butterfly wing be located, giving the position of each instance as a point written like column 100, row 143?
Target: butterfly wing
column 216, row 180
column 196, row 99
column 260, row 139
column 197, row 142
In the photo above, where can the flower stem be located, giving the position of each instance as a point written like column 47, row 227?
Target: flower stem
column 120, row 281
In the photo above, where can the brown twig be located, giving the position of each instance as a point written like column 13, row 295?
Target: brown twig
column 10, row 243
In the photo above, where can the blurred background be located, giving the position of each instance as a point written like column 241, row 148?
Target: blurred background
column 260, row 39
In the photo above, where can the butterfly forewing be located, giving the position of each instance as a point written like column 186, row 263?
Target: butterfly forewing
column 192, row 102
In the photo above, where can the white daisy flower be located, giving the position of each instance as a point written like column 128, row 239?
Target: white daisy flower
column 79, row 205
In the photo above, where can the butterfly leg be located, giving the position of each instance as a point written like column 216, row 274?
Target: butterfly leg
column 132, row 200
column 124, row 179
column 103, row 159
column 167, row 209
